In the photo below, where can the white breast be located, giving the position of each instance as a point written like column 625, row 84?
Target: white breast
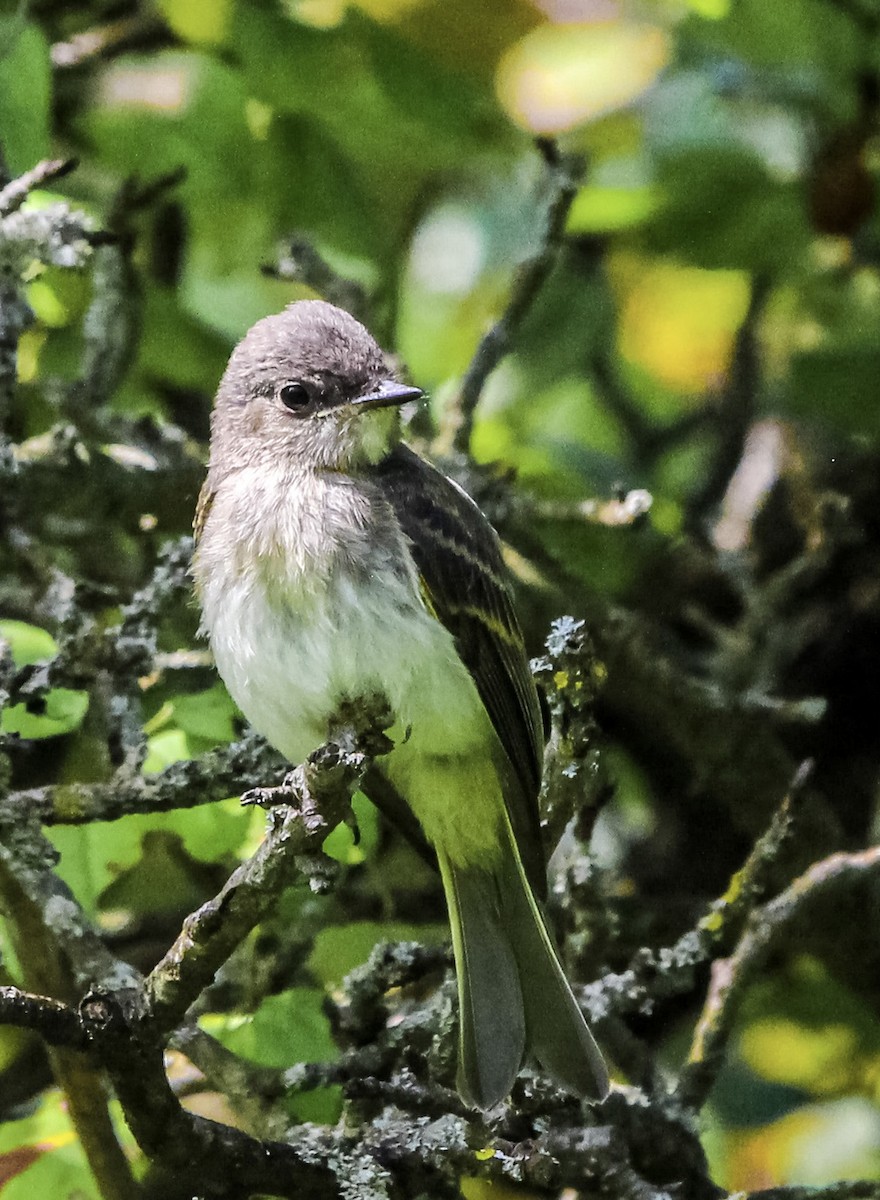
column 296, row 624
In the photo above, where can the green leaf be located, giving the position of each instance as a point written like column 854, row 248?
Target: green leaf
column 207, row 714
column 611, row 209
column 64, row 712
column 45, row 1146
column 95, row 856
column 25, row 89
column 338, row 949
column 341, row 845
column 723, row 210
column 286, row 1029
column 837, row 384
column 27, row 643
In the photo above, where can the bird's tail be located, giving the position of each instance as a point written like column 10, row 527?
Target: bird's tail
column 513, row 994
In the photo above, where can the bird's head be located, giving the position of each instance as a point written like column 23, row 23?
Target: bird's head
column 308, row 387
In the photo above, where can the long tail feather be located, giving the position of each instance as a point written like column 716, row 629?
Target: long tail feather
column 513, row 993
column 556, row 1032
column 491, row 1018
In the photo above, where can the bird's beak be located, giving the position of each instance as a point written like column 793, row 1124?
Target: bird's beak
column 386, row 394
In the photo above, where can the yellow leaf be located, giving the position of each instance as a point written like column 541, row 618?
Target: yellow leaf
column 678, row 323
column 197, row 22
column 560, row 76
column 491, row 1189
column 821, row 1060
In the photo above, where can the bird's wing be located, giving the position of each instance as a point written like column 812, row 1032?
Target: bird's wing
column 465, row 585
column 203, row 508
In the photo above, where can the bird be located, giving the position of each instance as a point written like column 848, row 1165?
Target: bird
column 333, row 562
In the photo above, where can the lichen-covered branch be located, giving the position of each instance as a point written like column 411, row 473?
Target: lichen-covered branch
column 731, row 977
column 316, row 797
column 657, row 975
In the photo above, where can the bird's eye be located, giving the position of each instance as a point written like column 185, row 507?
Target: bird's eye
column 298, row 399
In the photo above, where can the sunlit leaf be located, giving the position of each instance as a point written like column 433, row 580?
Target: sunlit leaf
column 338, row 949
column 286, row 1029
column 559, row 76
column 24, row 93
column 40, row 1156
column 813, row 1146
column 197, row 22
column 27, row 643
column 608, row 209
column 679, row 323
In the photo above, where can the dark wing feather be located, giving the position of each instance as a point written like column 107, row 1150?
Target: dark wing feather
column 203, row 508
column 466, row 586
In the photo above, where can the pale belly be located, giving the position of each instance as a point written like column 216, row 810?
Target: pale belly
column 288, row 666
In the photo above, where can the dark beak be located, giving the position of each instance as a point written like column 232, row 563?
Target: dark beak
column 386, row 394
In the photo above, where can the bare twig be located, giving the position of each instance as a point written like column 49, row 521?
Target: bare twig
column 731, row 977
column 846, row 1189
column 299, row 262
column 617, row 512
column 654, row 975
column 55, row 1021
column 17, row 191
column 565, row 173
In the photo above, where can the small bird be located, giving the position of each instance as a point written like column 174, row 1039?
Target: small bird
column 334, row 563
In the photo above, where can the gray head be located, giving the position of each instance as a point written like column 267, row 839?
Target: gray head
column 310, row 387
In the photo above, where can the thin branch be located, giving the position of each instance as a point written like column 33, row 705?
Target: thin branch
column 732, row 977
column 320, row 792
column 565, row 174
column 298, row 261
column 17, row 191
column 130, row 1050
column 615, row 513
column 655, row 975
column 846, row 1189
column 56, row 1022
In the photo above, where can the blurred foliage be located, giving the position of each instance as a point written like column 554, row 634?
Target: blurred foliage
column 732, row 149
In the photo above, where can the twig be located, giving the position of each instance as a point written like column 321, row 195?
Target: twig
column 299, row 262
column 127, row 1044
column 56, row 948
column 846, row 1189
column 618, row 512
column 731, row 977
column 648, row 441
column 321, row 789
column 103, row 41
column 734, row 413
column 55, row 1021
column 565, row 173
column 17, row 191
column 571, row 676
column 655, row 975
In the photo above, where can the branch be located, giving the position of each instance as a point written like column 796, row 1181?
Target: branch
column 191, row 783
column 732, row 977
column 318, row 795
column 615, row 513
column 56, row 1022
column 13, row 196
column 573, row 780
column 299, row 262
column 565, row 173
column 846, row 1189
column 656, row 975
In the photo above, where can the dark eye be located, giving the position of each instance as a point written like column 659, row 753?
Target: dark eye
column 298, row 399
